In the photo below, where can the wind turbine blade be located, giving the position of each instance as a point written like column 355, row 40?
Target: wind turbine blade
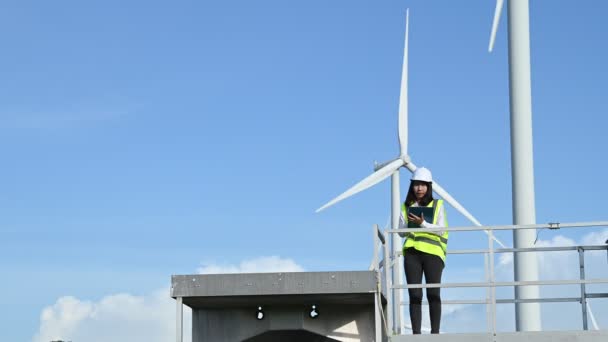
column 497, row 12
column 593, row 321
column 403, row 102
column 448, row 198
column 369, row 181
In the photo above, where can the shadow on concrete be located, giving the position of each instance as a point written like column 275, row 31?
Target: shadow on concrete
column 289, row 335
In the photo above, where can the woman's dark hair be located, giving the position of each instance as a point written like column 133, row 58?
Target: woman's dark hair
column 411, row 197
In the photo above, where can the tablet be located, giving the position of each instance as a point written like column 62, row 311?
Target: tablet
column 427, row 211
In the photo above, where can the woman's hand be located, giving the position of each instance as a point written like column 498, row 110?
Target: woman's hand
column 416, row 219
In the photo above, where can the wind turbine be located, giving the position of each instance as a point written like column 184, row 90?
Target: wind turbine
column 527, row 315
column 382, row 171
column 386, row 169
column 391, row 168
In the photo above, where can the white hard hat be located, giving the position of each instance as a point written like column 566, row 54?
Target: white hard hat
column 422, row 174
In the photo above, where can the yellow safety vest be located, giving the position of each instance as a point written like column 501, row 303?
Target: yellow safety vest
column 427, row 242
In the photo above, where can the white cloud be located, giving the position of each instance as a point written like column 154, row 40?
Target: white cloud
column 126, row 317
column 596, row 238
column 257, row 265
column 118, row 317
column 63, row 318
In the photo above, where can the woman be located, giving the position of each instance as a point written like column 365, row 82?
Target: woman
column 424, row 252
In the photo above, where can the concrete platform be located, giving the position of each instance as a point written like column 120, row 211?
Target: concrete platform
column 224, row 306
column 539, row 336
column 233, row 290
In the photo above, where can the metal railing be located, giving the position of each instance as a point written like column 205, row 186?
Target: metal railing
column 386, row 266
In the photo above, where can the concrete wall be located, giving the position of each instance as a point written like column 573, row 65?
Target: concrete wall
column 347, row 323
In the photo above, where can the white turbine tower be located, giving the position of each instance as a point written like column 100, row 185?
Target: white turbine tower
column 527, row 315
column 391, row 168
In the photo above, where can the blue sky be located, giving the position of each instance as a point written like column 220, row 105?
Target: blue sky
column 142, row 139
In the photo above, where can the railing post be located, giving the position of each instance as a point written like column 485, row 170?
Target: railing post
column 180, row 320
column 375, row 258
column 377, row 314
column 492, row 287
column 486, row 268
column 581, row 261
column 389, row 285
column 396, row 245
column 377, row 301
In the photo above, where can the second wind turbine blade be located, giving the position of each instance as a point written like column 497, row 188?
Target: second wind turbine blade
column 497, row 11
column 369, row 181
column 403, row 103
column 448, row 198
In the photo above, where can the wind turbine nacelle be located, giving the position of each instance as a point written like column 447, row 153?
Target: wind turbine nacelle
column 406, row 160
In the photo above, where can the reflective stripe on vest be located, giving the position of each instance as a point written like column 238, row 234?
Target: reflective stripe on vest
column 427, row 242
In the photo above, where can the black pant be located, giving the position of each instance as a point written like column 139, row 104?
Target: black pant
column 416, row 263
